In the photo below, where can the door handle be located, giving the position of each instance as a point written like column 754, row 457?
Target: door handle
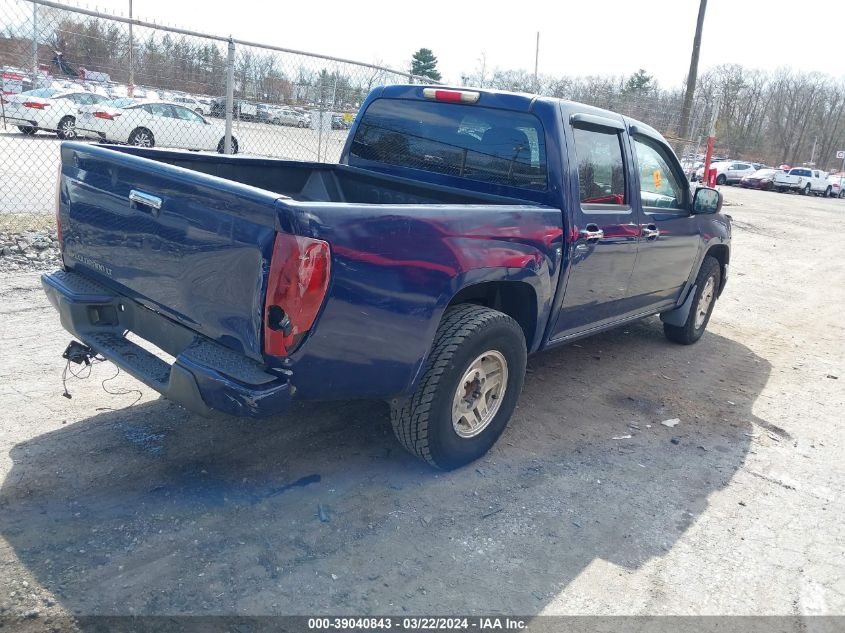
column 146, row 199
column 591, row 233
column 649, row 231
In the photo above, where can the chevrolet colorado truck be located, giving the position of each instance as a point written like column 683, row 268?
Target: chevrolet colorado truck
column 461, row 231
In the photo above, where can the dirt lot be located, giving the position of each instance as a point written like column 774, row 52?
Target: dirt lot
column 107, row 508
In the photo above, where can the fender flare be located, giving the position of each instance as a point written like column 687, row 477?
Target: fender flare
column 679, row 315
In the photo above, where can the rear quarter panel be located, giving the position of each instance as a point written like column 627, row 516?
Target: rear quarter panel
column 394, row 270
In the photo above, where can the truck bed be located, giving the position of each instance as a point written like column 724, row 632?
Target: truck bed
column 316, row 182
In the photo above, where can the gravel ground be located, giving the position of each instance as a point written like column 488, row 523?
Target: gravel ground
column 587, row 505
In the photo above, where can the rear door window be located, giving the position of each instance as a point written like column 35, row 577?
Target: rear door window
column 601, row 170
column 482, row 144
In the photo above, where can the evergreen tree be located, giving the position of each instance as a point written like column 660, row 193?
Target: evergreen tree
column 424, row 64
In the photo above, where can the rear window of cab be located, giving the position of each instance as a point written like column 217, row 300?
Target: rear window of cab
column 477, row 143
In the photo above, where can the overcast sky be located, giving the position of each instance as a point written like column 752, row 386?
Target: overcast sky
column 576, row 37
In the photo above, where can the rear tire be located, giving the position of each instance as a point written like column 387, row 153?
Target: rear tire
column 828, row 193
column 221, row 146
column 67, row 128
column 26, row 129
column 142, row 137
column 435, row 423
column 806, row 190
column 706, row 288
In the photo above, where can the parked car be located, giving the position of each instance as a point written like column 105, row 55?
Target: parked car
column 690, row 168
column 804, row 180
column 303, row 119
column 193, row 104
column 760, row 179
column 241, row 109
column 728, row 172
column 277, row 115
column 289, row 116
column 421, row 270
column 339, row 123
column 47, row 109
column 837, row 186
column 150, row 124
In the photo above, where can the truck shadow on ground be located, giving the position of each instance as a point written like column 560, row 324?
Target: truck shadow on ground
column 150, row 510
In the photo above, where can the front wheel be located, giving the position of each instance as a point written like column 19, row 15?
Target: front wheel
column 469, row 389
column 721, row 179
column 706, row 290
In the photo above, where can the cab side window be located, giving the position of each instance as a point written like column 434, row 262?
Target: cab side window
column 659, row 185
column 601, row 170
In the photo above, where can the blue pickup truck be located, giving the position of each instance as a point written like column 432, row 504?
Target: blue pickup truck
column 461, row 231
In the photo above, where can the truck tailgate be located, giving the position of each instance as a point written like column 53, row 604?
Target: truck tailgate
column 192, row 247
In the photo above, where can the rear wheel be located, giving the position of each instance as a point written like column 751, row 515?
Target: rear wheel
column 806, row 190
column 142, row 137
column 27, row 129
column 469, row 390
column 828, row 193
column 67, row 128
column 221, row 146
column 706, row 289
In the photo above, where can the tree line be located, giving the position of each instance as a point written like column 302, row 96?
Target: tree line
column 167, row 61
column 771, row 117
column 785, row 116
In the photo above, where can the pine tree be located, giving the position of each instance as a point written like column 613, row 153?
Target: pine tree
column 424, row 64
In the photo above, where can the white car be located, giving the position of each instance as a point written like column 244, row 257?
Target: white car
column 837, row 186
column 728, row 171
column 151, row 124
column 281, row 115
column 48, row 109
column 193, row 104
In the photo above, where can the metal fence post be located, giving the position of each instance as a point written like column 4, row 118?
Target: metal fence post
column 34, row 45
column 230, row 96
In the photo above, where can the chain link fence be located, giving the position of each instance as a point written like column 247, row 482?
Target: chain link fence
column 73, row 73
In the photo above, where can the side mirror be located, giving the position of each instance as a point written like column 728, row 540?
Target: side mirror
column 706, row 200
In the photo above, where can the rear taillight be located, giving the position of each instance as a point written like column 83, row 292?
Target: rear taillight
column 35, row 105
column 452, row 96
column 106, row 115
column 296, row 287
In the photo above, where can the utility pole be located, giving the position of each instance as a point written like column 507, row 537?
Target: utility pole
column 131, row 90
column 692, row 75
column 813, row 153
column 536, row 62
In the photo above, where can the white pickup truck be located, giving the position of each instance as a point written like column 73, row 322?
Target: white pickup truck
column 803, row 180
